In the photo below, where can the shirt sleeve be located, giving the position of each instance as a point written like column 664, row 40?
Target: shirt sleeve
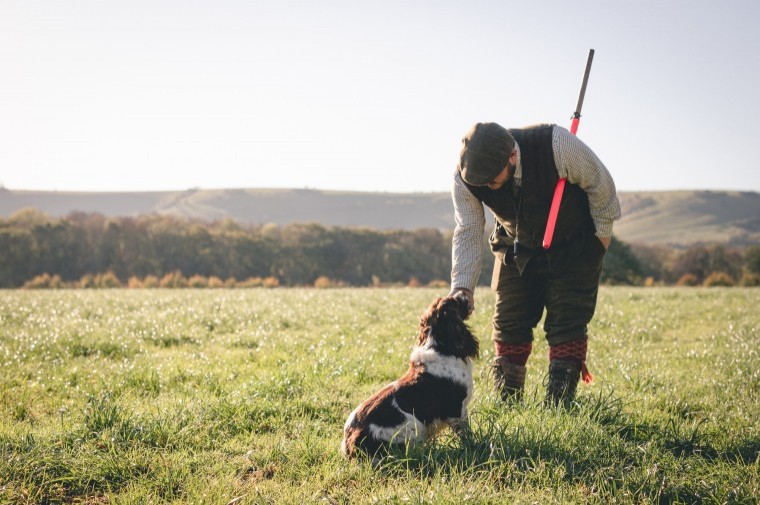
column 578, row 164
column 467, row 244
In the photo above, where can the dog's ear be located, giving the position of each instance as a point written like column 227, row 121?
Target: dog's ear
column 431, row 314
column 429, row 319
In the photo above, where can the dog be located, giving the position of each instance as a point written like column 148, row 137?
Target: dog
column 434, row 392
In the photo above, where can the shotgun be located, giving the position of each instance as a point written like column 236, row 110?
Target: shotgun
column 560, row 187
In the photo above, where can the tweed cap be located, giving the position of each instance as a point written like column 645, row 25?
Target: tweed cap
column 485, row 152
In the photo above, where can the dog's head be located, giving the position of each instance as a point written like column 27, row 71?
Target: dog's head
column 442, row 328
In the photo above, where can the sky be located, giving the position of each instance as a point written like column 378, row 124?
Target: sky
column 154, row 95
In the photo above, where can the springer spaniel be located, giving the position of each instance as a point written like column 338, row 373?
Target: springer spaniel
column 433, row 393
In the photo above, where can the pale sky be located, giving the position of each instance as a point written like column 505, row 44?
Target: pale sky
column 144, row 95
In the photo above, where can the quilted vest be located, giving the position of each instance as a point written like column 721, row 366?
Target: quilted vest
column 539, row 177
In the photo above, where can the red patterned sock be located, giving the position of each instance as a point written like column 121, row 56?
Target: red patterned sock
column 575, row 350
column 515, row 353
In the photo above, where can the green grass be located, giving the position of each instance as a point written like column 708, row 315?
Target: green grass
column 208, row 396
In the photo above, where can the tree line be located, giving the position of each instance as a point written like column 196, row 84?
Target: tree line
column 90, row 250
column 81, row 244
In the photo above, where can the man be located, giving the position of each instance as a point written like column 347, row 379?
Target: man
column 514, row 173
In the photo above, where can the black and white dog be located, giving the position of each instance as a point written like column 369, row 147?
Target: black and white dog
column 434, row 392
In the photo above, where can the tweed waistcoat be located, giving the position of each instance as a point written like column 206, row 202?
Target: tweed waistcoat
column 539, row 177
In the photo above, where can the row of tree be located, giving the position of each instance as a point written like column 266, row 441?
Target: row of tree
column 151, row 247
column 713, row 264
column 32, row 244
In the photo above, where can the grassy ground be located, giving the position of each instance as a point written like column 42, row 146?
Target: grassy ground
column 215, row 396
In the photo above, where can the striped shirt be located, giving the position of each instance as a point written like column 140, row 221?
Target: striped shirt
column 574, row 160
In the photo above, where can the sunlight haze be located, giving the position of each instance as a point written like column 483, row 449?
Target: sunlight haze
column 166, row 95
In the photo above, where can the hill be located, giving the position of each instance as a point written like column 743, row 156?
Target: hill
column 677, row 218
column 690, row 217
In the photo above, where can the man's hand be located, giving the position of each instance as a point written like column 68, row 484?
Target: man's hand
column 468, row 294
column 605, row 242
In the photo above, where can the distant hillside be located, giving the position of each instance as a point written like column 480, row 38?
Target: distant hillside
column 688, row 217
column 669, row 217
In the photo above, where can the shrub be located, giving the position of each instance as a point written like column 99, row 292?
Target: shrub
column 323, row 282
column 197, row 281
column 215, row 282
column 151, row 281
column 173, row 280
column 107, row 280
column 688, row 280
column 750, row 280
column 251, row 282
column 438, row 283
column 271, row 282
column 326, row 282
column 42, row 281
column 231, row 282
column 719, row 279
column 87, row 281
column 134, row 282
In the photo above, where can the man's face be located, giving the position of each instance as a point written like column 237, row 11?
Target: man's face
column 506, row 174
column 501, row 179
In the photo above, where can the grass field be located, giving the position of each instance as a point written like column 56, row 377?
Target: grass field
column 239, row 396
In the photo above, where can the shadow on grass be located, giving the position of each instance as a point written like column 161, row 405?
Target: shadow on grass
column 679, row 434
column 603, row 444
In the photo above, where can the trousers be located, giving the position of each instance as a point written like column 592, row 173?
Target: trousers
column 564, row 283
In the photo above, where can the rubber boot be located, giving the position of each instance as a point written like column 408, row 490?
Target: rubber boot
column 509, row 379
column 562, row 382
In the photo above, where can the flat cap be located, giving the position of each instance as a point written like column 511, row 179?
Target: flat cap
column 485, row 152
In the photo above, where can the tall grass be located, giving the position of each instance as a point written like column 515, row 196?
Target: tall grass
column 223, row 396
